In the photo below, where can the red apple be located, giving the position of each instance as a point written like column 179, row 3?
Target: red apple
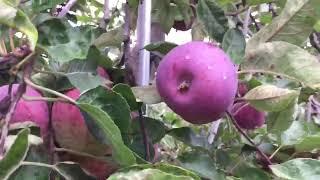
column 198, row 81
column 33, row 111
column 247, row 116
column 70, row 129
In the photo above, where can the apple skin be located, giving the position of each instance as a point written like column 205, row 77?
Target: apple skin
column 70, row 129
column 33, row 111
column 247, row 116
column 198, row 81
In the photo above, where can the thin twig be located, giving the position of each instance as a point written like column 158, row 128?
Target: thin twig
column 66, row 8
column 106, row 14
column 5, row 129
column 246, row 22
column 144, row 135
column 16, row 68
column 309, row 109
column 11, row 34
column 248, row 138
column 4, row 46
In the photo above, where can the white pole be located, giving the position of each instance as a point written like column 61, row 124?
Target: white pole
column 143, row 39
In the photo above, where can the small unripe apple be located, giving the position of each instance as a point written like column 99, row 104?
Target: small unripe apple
column 70, row 129
column 198, row 81
column 33, row 111
column 247, row 116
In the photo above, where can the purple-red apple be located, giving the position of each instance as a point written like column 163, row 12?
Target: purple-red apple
column 33, row 111
column 247, row 116
column 70, row 129
column 198, row 81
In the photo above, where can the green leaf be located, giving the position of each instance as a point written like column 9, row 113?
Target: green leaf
column 148, row 174
column 15, row 155
column 164, row 14
column 200, row 163
column 298, row 169
column 111, row 38
column 291, row 136
column 108, row 133
column 161, row 47
column 308, row 143
column 167, row 168
column 125, row 91
column 270, row 98
column 279, row 121
column 234, row 44
column 84, row 80
column 213, row 18
column 189, row 137
column 147, row 94
column 36, row 153
column 110, row 102
column 293, row 25
column 286, row 60
column 15, row 18
column 63, row 42
column 317, row 26
column 72, row 171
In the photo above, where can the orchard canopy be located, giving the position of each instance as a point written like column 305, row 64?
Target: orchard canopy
column 159, row 89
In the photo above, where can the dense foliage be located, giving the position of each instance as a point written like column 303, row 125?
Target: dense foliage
column 71, row 107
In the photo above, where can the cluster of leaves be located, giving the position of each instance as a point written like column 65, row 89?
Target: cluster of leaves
column 276, row 62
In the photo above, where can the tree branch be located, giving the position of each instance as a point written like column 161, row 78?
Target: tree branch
column 247, row 137
column 106, row 14
column 66, row 8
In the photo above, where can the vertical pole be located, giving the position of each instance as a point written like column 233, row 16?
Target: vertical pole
column 143, row 35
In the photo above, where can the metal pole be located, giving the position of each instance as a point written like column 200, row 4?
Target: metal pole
column 143, row 35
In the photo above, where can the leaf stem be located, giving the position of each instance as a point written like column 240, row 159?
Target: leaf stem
column 275, row 152
column 41, row 88
column 248, row 138
column 47, row 99
column 28, row 163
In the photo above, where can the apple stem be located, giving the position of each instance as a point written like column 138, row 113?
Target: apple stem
column 248, row 138
column 184, row 86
